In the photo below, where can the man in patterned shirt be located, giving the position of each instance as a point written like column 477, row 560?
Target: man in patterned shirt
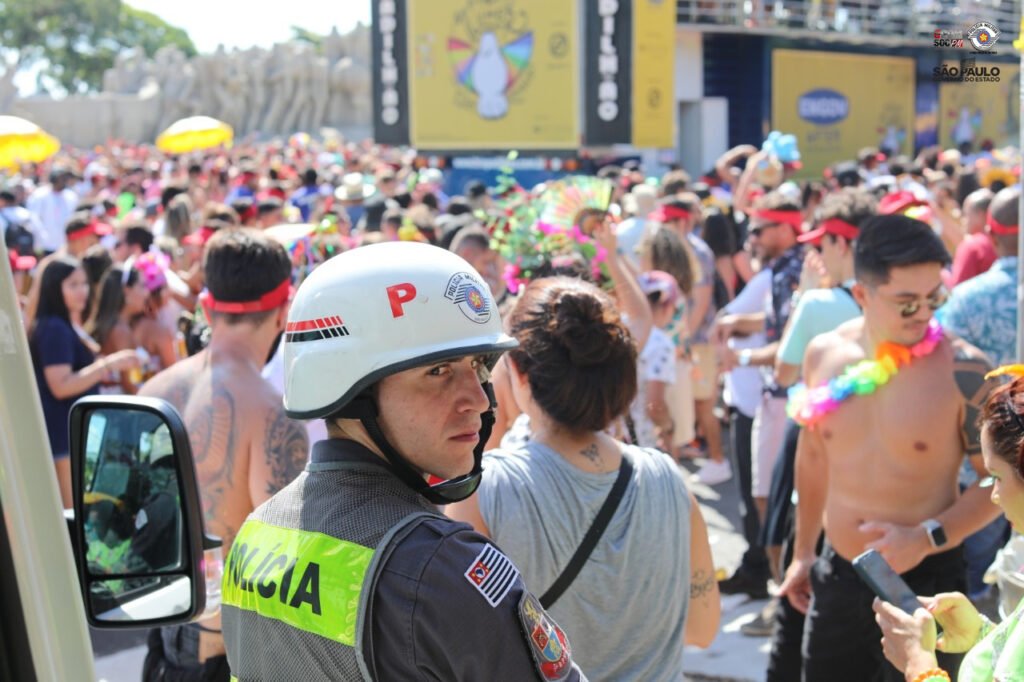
column 983, row 312
column 775, row 224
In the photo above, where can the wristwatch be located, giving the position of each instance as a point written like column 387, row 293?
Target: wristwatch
column 743, row 357
column 936, row 534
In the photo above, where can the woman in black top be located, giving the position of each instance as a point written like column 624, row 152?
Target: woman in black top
column 64, row 357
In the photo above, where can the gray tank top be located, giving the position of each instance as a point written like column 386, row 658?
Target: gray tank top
column 625, row 612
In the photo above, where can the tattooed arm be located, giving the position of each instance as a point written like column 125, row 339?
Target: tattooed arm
column 705, row 608
column 279, row 457
column 974, row 508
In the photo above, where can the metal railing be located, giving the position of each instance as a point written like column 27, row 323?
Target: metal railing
column 907, row 22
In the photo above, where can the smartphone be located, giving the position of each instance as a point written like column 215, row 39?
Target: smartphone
column 886, row 583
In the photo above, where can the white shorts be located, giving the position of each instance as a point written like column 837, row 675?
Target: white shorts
column 679, row 397
column 766, row 441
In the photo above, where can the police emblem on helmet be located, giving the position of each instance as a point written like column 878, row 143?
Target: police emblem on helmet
column 470, row 295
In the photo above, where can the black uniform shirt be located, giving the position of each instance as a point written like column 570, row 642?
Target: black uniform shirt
column 449, row 605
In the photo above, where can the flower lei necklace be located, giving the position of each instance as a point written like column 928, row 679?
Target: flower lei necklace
column 807, row 406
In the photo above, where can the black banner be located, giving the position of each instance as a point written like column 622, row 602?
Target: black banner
column 390, row 72
column 607, row 65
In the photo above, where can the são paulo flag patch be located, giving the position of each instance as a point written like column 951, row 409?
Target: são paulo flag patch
column 492, row 574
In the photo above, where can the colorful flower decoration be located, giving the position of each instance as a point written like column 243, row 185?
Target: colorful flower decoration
column 532, row 231
column 153, row 266
column 807, row 406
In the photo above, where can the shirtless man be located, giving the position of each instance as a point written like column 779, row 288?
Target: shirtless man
column 245, row 448
column 882, row 468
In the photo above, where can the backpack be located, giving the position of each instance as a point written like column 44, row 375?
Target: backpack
column 17, row 236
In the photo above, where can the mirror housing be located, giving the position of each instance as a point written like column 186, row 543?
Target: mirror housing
column 138, row 535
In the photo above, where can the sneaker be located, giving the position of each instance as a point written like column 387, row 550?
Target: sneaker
column 762, row 625
column 743, row 582
column 713, row 473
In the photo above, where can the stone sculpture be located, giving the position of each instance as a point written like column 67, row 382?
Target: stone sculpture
column 288, row 88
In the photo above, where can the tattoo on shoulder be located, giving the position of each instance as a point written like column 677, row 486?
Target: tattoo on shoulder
column 286, row 447
column 701, row 584
column 591, row 453
column 969, row 369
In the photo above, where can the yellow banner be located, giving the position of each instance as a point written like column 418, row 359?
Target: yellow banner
column 654, row 38
column 837, row 103
column 976, row 112
column 493, row 74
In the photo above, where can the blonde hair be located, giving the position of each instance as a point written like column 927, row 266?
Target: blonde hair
column 663, row 249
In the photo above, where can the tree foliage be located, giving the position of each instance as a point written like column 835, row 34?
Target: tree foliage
column 75, row 41
column 307, row 36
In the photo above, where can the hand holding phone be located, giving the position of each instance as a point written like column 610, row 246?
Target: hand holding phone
column 885, row 582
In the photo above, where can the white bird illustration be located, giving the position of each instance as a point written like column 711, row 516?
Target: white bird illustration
column 489, row 78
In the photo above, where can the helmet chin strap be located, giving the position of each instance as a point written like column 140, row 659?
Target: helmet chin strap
column 364, row 408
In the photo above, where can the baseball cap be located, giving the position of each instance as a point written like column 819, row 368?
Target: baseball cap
column 660, row 283
column 20, row 263
column 898, row 202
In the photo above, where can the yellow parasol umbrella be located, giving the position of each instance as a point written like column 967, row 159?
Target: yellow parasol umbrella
column 192, row 133
column 24, row 141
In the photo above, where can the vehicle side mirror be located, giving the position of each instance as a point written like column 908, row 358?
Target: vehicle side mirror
column 143, row 557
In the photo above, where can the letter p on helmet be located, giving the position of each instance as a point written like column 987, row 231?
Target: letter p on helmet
column 398, row 295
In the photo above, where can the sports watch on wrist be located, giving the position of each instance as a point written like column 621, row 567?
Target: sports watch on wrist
column 936, row 534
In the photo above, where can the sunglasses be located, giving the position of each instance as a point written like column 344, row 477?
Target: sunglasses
column 756, row 231
column 934, row 302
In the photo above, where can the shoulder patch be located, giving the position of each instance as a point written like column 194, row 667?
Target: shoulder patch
column 492, row 574
column 547, row 643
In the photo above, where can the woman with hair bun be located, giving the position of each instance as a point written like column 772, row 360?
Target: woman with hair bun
column 574, row 373
column 993, row 652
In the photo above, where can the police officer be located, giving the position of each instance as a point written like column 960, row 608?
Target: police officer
column 350, row 572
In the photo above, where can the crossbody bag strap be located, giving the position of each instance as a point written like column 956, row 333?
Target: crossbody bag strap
column 597, row 528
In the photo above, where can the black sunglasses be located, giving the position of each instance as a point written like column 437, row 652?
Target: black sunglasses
column 934, row 302
column 756, row 231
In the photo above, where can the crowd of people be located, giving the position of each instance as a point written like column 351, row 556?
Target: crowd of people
column 743, row 324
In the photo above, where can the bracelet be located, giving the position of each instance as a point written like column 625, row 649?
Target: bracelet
column 933, row 675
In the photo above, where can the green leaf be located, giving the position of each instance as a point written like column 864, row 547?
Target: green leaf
column 79, row 39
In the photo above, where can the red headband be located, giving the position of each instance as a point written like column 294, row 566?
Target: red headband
column 1000, row 229
column 95, row 227
column 201, row 237
column 268, row 301
column 792, row 218
column 831, row 226
column 666, row 213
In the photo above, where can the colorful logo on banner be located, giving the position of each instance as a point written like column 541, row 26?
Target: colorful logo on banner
column 823, row 107
column 837, row 103
column 983, row 37
column 493, row 74
column 490, row 70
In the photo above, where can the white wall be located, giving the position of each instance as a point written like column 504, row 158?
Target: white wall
column 689, row 72
column 703, row 133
